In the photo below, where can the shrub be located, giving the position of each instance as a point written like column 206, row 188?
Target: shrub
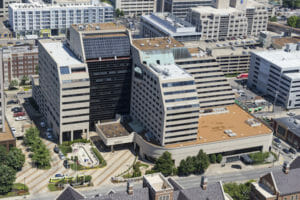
column 212, row 158
column 259, row 157
column 100, row 157
column 219, row 158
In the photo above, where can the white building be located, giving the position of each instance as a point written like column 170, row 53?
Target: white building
column 165, row 25
column 2, row 103
column 135, row 7
column 4, row 6
column 65, row 87
column 276, row 73
column 45, row 19
column 222, row 21
column 164, row 98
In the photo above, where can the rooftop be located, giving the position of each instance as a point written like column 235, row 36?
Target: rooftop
column 212, row 127
column 287, row 183
column 216, row 11
column 293, row 123
column 26, row 48
column 159, row 43
column 170, row 25
column 213, row 191
column 43, row 6
column 158, row 182
column 98, row 27
column 281, row 58
column 115, row 129
column 169, row 72
column 7, row 135
column 285, row 40
column 61, row 54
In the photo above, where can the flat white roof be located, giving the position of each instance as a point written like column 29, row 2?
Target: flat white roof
column 36, row 5
column 170, row 24
column 281, row 58
column 158, row 182
column 293, row 76
column 62, row 55
column 217, row 11
column 169, row 72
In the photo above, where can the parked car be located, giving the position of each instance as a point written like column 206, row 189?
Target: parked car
column 286, row 151
column 17, row 109
column 49, row 129
column 292, row 150
column 59, row 176
column 246, row 159
column 12, row 102
column 236, row 166
column 278, row 145
column 56, row 149
column 18, row 114
column 277, row 140
column 66, row 164
column 21, row 118
column 61, row 156
column 43, row 124
column 21, row 93
column 49, row 136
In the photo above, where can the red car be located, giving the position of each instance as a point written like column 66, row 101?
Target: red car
column 18, row 114
column 242, row 76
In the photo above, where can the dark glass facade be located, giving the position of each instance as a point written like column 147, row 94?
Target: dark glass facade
column 110, row 88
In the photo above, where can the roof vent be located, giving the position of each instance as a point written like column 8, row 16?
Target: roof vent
column 142, row 44
column 97, row 27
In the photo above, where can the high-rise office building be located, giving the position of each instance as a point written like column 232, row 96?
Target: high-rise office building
column 222, row 21
column 52, row 19
column 213, row 88
column 105, row 48
column 65, row 87
column 164, row 97
column 180, row 8
column 275, row 73
column 167, row 25
column 135, row 7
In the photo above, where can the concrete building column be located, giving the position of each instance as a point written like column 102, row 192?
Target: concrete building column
column 87, row 134
column 61, row 138
column 112, row 148
column 72, row 135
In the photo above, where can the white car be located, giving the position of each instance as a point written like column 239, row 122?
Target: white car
column 13, row 130
column 21, row 118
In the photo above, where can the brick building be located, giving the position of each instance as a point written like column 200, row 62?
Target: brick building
column 18, row 61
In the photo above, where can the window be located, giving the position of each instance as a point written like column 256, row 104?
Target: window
column 174, row 84
column 64, row 70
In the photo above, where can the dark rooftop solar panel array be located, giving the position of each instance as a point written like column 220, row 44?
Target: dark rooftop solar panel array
column 105, row 47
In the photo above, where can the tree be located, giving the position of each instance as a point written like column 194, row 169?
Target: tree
column 219, row 158
column 31, row 136
column 13, row 84
column 24, row 80
column 41, row 157
column 3, row 154
column 15, row 159
column 298, row 23
column 212, row 158
column 36, row 69
column 292, row 21
column 273, row 19
column 164, row 164
column 202, row 162
column 119, row 13
column 7, row 178
column 238, row 191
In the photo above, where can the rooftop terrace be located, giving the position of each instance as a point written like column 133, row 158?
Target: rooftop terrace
column 158, row 182
column 160, row 43
column 113, row 130
column 98, row 27
column 212, row 127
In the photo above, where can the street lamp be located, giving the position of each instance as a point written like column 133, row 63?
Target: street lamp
column 275, row 99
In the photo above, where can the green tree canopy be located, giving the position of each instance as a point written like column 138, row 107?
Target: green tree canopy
column 219, row 158
column 15, row 159
column 31, row 136
column 273, row 19
column 238, row 191
column 213, row 158
column 7, row 178
column 13, row 84
column 3, row 154
column 292, row 21
column 164, row 164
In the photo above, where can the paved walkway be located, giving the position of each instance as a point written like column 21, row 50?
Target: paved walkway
column 37, row 179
